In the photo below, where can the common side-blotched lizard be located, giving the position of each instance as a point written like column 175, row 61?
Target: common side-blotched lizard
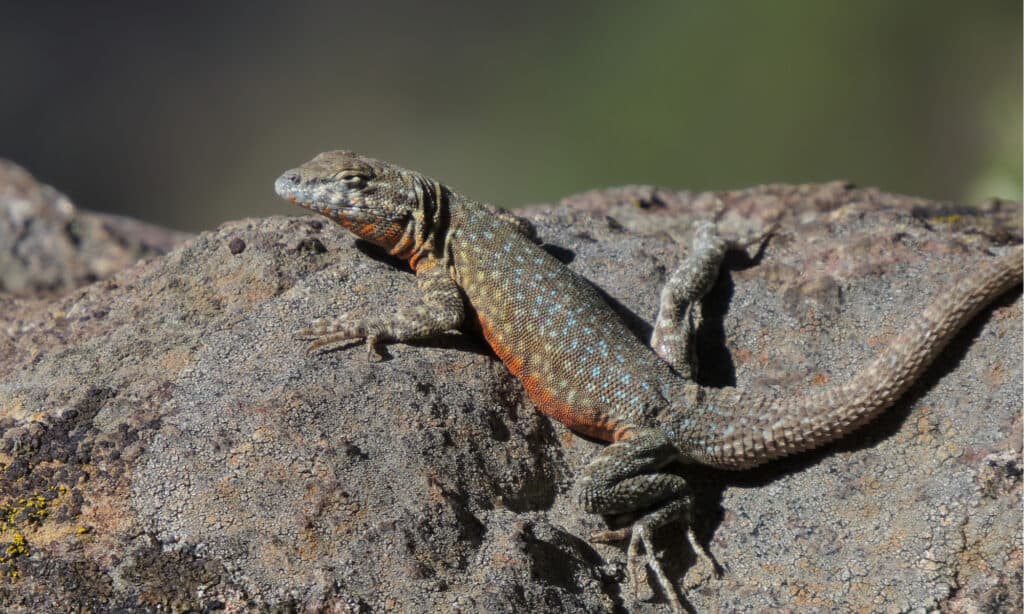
column 579, row 362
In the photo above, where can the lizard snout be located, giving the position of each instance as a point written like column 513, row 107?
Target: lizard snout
column 287, row 183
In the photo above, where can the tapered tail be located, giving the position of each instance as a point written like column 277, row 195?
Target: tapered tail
column 744, row 429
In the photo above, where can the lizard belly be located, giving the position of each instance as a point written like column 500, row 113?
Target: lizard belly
column 551, row 398
column 578, row 361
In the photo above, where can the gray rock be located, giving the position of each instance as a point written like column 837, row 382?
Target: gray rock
column 48, row 246
column 167, row 445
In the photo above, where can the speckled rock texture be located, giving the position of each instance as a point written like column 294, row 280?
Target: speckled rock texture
column 47, row 246
column 165, row 445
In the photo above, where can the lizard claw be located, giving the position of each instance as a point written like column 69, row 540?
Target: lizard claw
column 316, row 347
column 639, row 535
column 321, row 344
column 705, row 566
column 609, row 535
column 306, row 334
column 373, row 351
column 635, row 563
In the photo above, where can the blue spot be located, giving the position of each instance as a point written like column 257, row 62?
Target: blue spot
column 626, row 377
column 595, row 371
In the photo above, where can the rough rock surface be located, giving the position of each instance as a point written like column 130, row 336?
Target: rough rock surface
column 47, row 246
column 165, row 443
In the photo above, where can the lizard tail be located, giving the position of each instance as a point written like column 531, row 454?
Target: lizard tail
column 742, row 429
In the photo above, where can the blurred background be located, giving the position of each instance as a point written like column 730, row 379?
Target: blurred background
column 184, row 113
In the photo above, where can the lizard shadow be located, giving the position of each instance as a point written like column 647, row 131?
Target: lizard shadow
column 378, row 254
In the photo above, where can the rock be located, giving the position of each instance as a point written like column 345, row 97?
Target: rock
column 167, row 444
column 47, row 246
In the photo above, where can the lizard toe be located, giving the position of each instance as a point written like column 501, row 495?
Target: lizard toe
column 637, row 564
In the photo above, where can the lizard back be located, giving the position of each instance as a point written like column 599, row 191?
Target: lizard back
column 575, row 356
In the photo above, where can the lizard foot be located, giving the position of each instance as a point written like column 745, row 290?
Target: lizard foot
column 705, row 567
column 639, row 535
column 321, row 343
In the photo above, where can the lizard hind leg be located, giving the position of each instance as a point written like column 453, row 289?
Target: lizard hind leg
column 678, row 313
column 624, row 478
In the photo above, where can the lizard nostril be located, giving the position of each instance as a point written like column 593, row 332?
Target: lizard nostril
column 292, row 177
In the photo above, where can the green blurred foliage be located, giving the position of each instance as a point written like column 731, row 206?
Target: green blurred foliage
column 185, row 114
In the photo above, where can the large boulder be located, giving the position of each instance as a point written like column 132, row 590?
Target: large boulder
column 165, row 442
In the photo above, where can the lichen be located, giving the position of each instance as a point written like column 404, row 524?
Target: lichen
column 18, row 517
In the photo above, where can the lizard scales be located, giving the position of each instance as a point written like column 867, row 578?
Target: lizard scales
column 579, row 362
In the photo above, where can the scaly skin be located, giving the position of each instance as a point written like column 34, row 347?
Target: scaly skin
column 578, row 361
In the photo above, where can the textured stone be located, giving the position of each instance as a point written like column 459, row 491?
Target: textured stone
column 48, row 246
column 190, row 456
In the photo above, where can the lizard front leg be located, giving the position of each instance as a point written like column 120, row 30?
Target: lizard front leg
column 440, row 309
column 678, row 314
column 623, row 478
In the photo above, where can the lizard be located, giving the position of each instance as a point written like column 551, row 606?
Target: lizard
column 578, row 361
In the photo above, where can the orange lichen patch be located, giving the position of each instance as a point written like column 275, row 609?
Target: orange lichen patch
column 996, row 375
column 820, row 379
column 13, row 407
column 175, row 360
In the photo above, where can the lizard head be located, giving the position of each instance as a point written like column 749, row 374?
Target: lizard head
column 375, row 200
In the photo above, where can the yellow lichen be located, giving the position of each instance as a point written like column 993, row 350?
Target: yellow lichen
column 17, row 515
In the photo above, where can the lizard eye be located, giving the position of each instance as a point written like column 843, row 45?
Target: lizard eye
column 353, row 180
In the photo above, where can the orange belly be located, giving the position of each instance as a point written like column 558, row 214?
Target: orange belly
column 584, row 420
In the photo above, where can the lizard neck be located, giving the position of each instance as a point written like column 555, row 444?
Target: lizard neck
column 426, row 236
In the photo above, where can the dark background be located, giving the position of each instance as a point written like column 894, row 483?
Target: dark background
column 185, row 113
